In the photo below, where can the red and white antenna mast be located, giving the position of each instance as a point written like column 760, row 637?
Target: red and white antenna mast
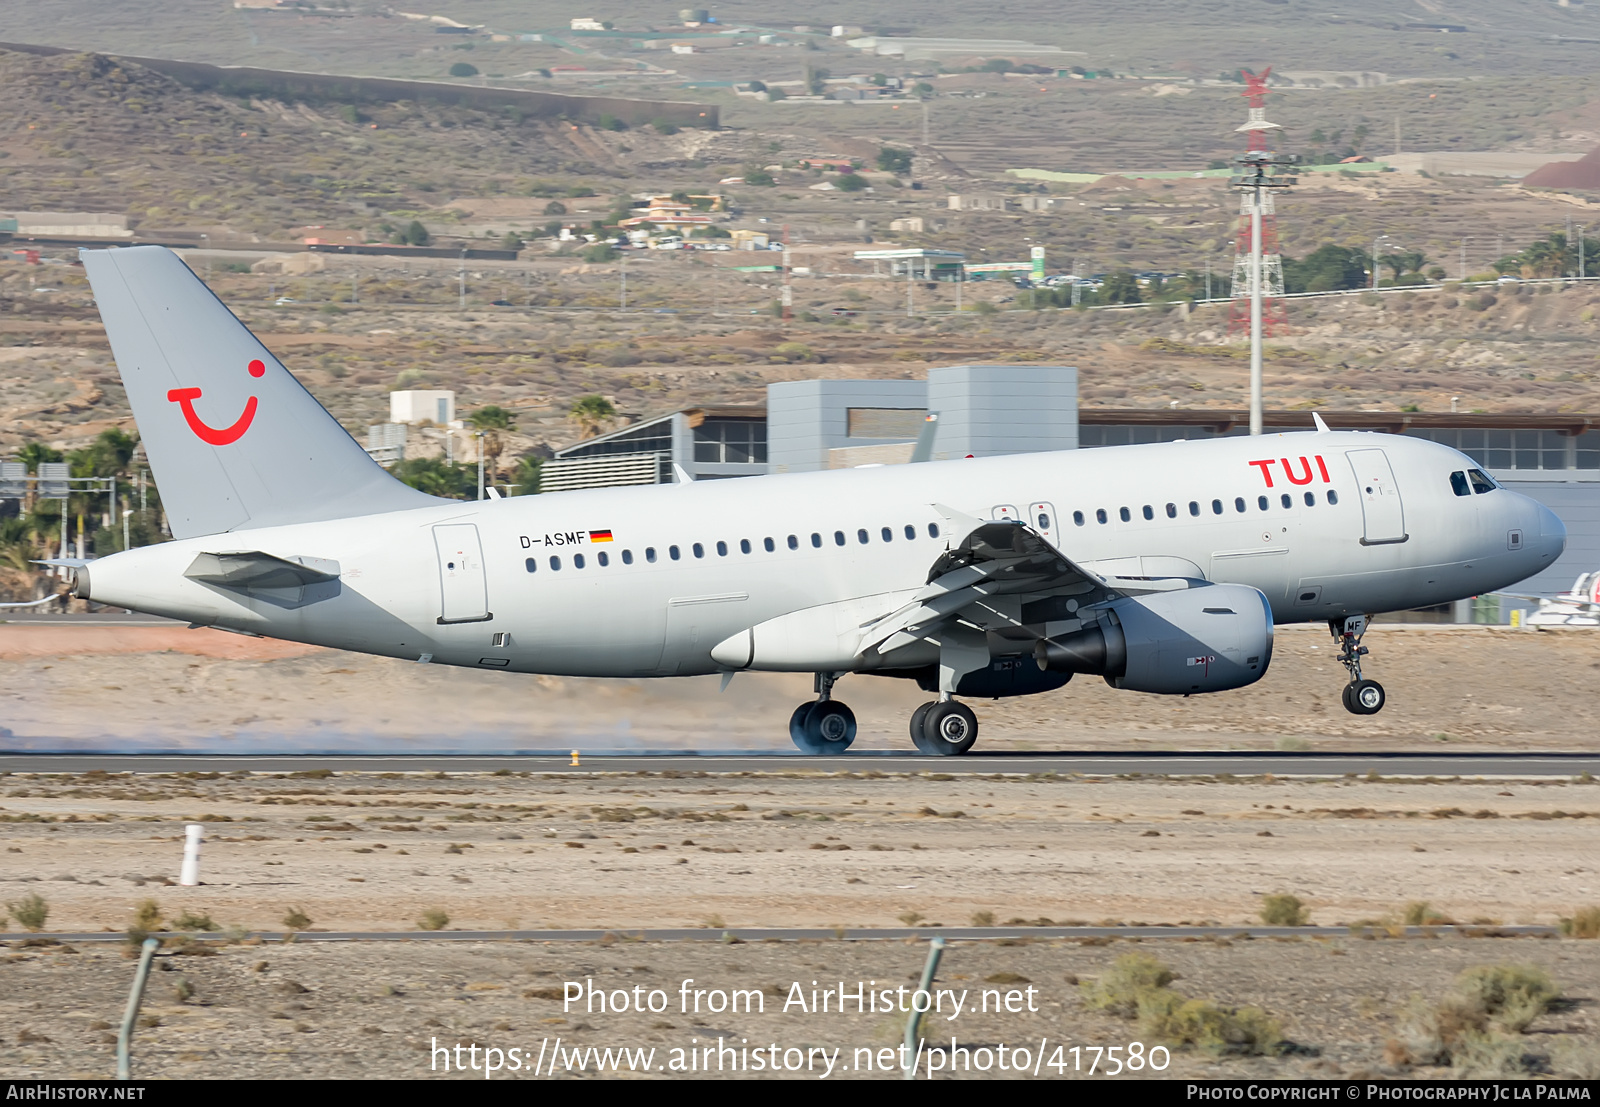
column 1259, row 132
column 1257, row 266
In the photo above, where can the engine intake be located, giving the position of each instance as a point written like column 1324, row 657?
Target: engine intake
column 1208, row 638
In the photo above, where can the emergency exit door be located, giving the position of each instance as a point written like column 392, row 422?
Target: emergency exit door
column 1382, row 512
column 464, row 592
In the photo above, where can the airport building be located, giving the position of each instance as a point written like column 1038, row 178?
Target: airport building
column 985, row 410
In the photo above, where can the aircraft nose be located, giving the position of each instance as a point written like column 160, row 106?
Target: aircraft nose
column 1552, row 533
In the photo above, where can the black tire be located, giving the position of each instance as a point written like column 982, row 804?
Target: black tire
column 1344, row 698
column 917, row 716
column 949, row 729
column 797, row 727
column 1367, row 697
column 829, row 728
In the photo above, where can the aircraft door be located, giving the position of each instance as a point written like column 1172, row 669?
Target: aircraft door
column 1381, row 509
column 1004, row 511
column 464, row 591
column 1042, row 518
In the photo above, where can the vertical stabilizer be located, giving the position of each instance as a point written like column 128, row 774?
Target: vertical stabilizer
column 233, row 439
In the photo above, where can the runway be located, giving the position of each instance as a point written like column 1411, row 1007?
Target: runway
column 1100, row 763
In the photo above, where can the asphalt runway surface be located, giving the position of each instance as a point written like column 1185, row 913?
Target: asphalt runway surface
column 886, row 761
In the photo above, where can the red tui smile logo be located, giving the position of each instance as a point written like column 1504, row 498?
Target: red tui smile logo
column 185, row 398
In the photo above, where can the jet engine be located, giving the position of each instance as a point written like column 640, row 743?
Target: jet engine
column 1205, row 638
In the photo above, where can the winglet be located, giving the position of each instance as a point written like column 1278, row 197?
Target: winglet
column 923, row 451
column 963, row 523
column 1322, row 428
column 682, row 475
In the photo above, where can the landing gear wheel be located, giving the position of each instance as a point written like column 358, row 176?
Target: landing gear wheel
column 948, row 729
column 827, row 728
column 916, row 723
column 1344, row 698
column 797, row 724
column 1365, row 697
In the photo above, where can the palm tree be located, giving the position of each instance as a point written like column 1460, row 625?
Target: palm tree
column 492, row 421
column 591, row 413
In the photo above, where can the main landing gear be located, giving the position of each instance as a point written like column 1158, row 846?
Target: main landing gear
column 823, row 725
column 1361, row 697
column 944, row 728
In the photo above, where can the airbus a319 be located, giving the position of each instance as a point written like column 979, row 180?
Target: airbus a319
column 1160, row 568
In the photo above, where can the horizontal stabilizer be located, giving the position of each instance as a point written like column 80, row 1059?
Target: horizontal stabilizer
column 254, row 569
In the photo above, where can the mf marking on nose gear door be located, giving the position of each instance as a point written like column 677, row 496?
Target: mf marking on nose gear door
column 1380, row 498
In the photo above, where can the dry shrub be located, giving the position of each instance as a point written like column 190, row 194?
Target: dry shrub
column 1131, row 976
column 1584, row 923
column 1421, row 913
column 189, row 920
column 31, row 911
column 434, row 918
column 146, row 918
column 1199, row 1022
column 296, row 919
column 1475, row 1028
column 1283, row 909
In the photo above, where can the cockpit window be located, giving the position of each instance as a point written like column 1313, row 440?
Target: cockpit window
column 1459, row 485
column 1481, row 482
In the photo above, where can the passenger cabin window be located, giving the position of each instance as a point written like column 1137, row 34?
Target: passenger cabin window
column 1077, row 518
column 1194, row 507
column 699, row 550
column 1216, row 507
column 794, row 542
column 816, row 540
column 1459, row 485
column 1261, row 502
column 603, row 559
column 1125, row 515
column 1043, row 521
column 769, row 545
column 744, row 545
column 1333, row 497
column 1149, row 512
column 888, row 534
column 627, row 557
column 838, row 538
column 1481, row 482
column 722, row 548
column 861, row 536
column 555, row 563
column 672, row 552
column 933, row 530
column 577, row 561
column 532, row 564
column 1100, row 514
column 1172, row 511
column 911, row 532
column 1311, row 499
column 1286, row 500
column 1238, row 504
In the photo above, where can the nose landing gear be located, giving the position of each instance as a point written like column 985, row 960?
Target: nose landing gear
column 1360, row 696
column 823, row 725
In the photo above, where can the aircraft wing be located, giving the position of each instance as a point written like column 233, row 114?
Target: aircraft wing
column 987, row 578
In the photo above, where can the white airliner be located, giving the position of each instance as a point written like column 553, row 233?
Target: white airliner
column 1161, row 568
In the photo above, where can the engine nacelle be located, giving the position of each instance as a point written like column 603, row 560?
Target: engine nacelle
column 1208, row 638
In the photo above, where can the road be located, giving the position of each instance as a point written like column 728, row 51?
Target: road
column 892, row 761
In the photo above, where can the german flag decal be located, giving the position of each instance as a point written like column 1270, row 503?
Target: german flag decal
column 599, row 536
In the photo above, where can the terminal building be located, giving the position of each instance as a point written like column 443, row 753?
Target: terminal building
column 985, row 410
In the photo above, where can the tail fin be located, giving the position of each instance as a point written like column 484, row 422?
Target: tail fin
column 233, row 439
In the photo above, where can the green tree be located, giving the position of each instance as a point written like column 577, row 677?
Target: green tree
column 525, row 477
column 493, row 421
column 416, row 234
column 850, row 182
column 612, row 123
column 511, row 240
column 1120, row 287
column 590, row 413
column 599, row 252
column 894, row 160
column 463, row 69
column 437, row 477
column 776, row 94
column 816, row 80
column 756, row 176
column 1328, row 268
column 997, row 65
